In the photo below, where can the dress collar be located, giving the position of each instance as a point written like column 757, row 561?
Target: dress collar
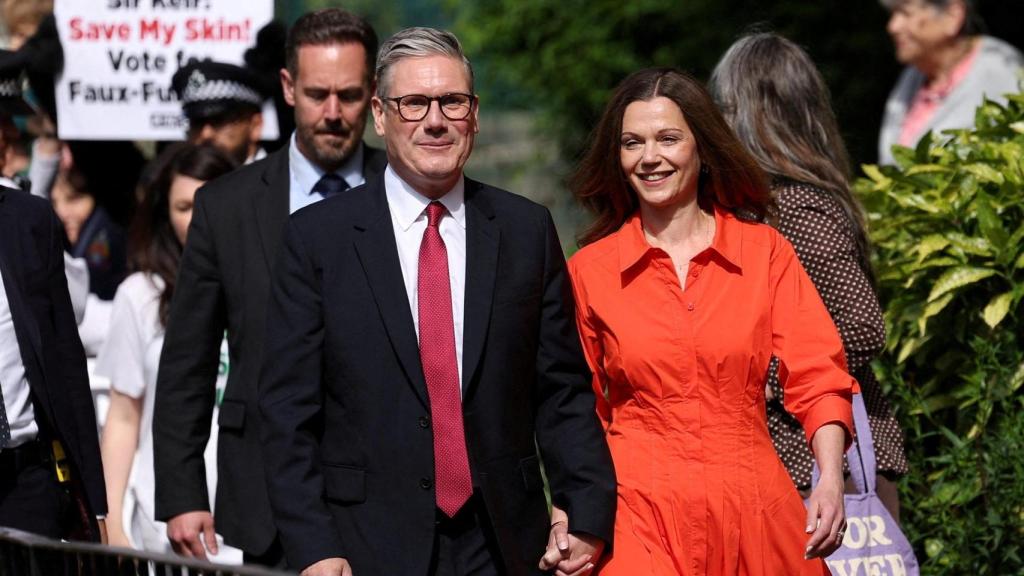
column 727, row 243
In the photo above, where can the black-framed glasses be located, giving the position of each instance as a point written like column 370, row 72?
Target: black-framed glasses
column 415, row 107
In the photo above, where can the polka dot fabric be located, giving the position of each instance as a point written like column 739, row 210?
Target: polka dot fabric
column 824, row 239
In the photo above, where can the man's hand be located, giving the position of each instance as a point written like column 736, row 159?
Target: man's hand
column 328, row 567
column 569, row 554
column 184, row 531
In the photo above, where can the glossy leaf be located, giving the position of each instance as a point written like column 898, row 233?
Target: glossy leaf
column 956, row 278
column 997, row 309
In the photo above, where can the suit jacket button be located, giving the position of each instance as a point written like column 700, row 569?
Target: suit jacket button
column 424, row 422
column 425, row 483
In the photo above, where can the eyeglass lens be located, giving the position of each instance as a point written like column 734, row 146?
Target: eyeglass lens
column 453, row 106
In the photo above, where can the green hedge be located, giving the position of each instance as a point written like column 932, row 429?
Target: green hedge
column 948, row 230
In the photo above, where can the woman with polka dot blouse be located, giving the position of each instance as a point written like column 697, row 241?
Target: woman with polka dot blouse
column 778, row 104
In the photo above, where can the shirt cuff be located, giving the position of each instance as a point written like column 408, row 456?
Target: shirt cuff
column 831, row 408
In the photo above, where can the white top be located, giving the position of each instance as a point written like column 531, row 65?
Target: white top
column 994, row 73
column 303, row 175
column 129, row 358
column 17, row 401
column 409, row 220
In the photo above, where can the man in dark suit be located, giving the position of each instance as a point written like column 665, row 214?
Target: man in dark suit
column 45, row 387
column 223, row 283
column 421, row 348
column 45, row 401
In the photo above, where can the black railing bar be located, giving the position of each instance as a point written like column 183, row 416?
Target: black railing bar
column 90, row 549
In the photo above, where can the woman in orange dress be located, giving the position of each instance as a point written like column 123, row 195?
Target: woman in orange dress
column 683, row 297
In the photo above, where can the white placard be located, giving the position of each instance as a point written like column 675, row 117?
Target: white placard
column 120, row 55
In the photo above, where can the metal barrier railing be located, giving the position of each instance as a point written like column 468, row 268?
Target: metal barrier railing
column 25, row 554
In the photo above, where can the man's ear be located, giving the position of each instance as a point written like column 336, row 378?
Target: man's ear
column 956, row 17
column 377, row 105
column 288, row 86
column 255, row 127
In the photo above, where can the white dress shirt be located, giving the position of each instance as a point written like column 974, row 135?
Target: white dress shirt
column 259, row 154
column 303, row 175
column 17, row 400
column 409, row 219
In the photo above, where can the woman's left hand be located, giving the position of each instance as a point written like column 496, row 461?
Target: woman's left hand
column 826, row 518
column 826, row 515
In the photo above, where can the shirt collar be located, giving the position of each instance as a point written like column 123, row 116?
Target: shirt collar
column 727, row 243
column 940, row 91
column 407, row 205
column 260, row 154
column 307, row 174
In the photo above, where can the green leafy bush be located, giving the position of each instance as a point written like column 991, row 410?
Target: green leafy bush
column 948, row 229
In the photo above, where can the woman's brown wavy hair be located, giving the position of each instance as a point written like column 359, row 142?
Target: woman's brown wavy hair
column 730, row 177
column 153, row 246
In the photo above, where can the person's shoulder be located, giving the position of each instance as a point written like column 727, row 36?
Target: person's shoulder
column 138, row 290
column 752, row 232
column 502, row 200
column 335, row 214
column 598, row 257
column 26, row 205
column 239, row 182
column 374, row 161
column 909, row 80
column 143, row 284
column 792, row 195
column 1000, row 54
column 33, row 217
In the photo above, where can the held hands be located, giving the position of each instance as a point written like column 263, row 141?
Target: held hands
column 569, row 554
column 184, row 531
column 328, row 567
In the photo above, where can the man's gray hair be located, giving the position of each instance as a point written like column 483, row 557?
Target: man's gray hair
column 973, row 23
column 417, row 42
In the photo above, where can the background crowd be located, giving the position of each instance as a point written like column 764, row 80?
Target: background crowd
column 126, row 210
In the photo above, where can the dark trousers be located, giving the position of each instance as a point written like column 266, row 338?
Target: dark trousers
column 31, row 500
column 465, row 545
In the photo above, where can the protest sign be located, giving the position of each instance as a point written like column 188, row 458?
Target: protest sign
column 120, row 55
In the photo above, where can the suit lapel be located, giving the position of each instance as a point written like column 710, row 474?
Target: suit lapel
column 271, row 202
column 378, row 253
column 482, row 243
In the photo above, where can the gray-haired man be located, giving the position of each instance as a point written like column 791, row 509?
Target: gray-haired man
column 423, row 347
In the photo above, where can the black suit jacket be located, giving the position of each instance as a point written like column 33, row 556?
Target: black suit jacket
column 223, row 284
column 32, row 263
column 346, row 420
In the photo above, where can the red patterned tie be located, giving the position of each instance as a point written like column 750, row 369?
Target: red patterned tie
column 452, row 482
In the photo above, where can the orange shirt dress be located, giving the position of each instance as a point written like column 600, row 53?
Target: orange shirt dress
column 679, row 375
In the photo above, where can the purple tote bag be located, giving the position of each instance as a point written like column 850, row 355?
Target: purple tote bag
column 873, row 544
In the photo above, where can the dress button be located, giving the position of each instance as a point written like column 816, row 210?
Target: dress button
column 425, row 483
column 690, row 306
column 424, row 422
